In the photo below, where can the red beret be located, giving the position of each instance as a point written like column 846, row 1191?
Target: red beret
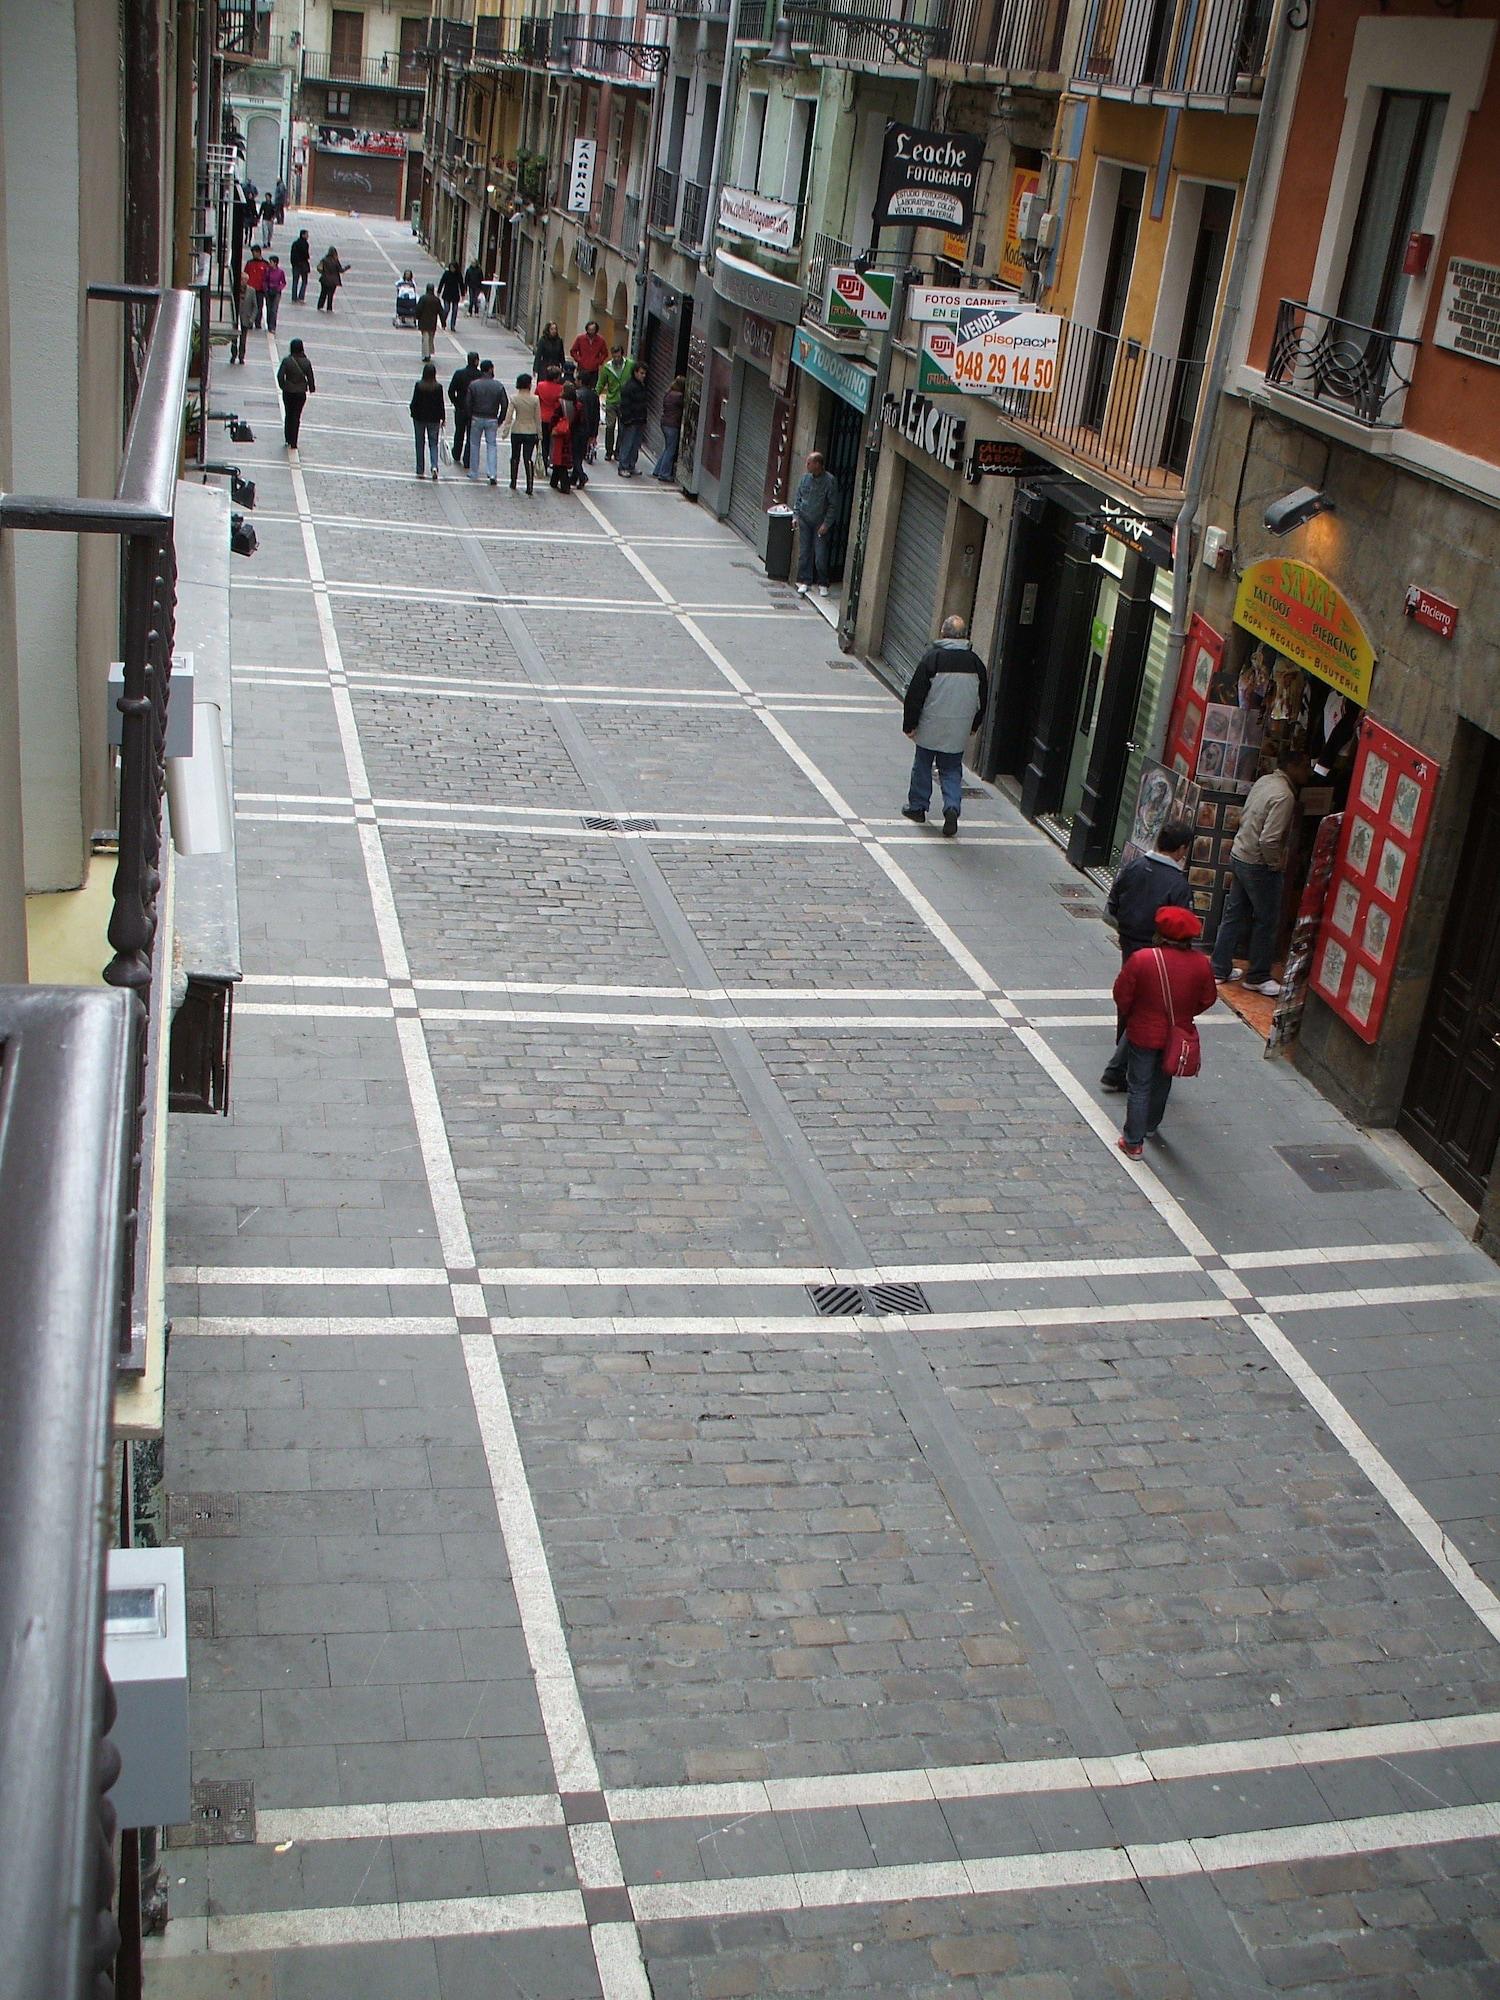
column 1179, row 925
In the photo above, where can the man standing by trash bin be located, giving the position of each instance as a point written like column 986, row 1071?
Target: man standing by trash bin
column 814, row 504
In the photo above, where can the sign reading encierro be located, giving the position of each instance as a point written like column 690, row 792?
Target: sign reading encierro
column 1309, row 621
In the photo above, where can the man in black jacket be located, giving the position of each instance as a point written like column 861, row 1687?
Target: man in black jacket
column 945, row 699
column 295, row 380
column 1140, row 889
column 458, row 390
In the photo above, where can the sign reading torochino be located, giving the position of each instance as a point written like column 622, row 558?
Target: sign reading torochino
column 928, row 177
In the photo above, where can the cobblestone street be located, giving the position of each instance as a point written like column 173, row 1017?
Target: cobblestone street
column 1106, row 1606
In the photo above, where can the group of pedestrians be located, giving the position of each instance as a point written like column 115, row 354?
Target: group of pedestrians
column 265, row 278
column 556, row 420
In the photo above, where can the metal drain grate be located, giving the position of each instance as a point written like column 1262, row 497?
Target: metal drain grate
column 975, row 792
column 843, row 1301
column 1083, row 910
column 843, row 666
column 190, row 1514
column 897, row 1299
column 223, row 1815
column 837, row 1301
column 612, row 823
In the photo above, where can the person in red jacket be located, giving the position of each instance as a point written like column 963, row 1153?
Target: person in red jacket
column 560, row 449
column 590, row 353
column 549, row 393
column 1164, row 985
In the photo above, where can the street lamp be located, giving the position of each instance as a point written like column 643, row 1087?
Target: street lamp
column 779, row 55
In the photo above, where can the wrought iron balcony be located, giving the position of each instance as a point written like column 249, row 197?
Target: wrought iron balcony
column 534, row 40
column 403, row 70
column 879, row 34
column 1025, row 37
column 1357, row 370
column 827, row 251
column 692, row 216
column 664, row 187
column 1174, row 48
column 602, row 45
column 1115, row 407
column 690, row 9
column 630, row 225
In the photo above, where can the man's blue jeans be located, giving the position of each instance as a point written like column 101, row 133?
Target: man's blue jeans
column 950, row 765
column 1149, row 1087
column 812, row 564
column 1253, row 903
column 482, row 432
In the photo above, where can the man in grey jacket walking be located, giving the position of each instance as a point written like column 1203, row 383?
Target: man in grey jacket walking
column 946, row 698
column 815, row 504
column 1257, row 863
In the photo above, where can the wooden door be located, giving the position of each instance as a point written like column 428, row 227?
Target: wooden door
column 1452, row 1109
column 346, row 44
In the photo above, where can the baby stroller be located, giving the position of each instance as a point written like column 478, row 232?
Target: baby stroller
column 406, row 301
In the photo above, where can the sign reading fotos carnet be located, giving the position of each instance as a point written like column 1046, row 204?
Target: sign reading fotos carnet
column 928, row 177
column 995, row 347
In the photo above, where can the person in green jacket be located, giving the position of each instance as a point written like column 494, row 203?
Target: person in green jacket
column 613, row 376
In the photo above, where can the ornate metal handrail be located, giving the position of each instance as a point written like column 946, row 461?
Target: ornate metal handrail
column 395, row 70
column 826, row 252
column 883, row 34
column 664, row 186
column 1324, row 359
column 142, row 513
column 1175, row 46
column 693, row 214
column 67, row 1080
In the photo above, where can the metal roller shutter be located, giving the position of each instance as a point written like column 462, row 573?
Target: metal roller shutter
column 916, row 564
column 752, row 454
column 660, row 370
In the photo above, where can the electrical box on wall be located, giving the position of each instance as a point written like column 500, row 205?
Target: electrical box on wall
column 1216, row 550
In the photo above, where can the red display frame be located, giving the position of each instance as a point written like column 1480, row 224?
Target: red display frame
column 1185, row 730
column 1391, row 792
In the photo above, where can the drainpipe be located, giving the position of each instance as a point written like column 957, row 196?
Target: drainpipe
column 729, row 90
column 905, row 240
column 1196, row 470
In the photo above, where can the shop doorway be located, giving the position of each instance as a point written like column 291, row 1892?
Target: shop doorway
column 1451, row 1112
column 841, row 458
column 1081, row 752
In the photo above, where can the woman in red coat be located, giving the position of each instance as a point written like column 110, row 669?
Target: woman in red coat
column 561, row 449
column 1158, row 988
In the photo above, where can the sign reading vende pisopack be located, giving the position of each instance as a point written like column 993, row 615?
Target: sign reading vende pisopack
column 989, row 349
column 928, row 177
column 859, row 298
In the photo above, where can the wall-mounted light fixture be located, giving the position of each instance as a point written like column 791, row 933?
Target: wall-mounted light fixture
column 1296, row 509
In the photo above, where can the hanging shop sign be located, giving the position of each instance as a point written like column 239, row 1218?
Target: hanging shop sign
column 942, row 304
column 746, row 284
column 1309, row 621
column 779, row 459
column 930, row 177
column 1200, row 662
column 852, row 380
column 1023, row 181
column 1436, row 613
column 858, row 299
column 989, row 349
column 955, row 247
column 1151, row 539
column 581, row 176
column 998, row 458
column 343, row 139
column 759, row 216
column 1390, row 802
column 923, row 424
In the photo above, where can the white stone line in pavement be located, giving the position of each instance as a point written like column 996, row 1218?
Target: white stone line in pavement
column 1027, row 1271
column 1341, row 1253
column 1380, row 1295
column 313, row 1326
column 702, row 1024
column 536, row 812
column 498, row 830
column 789, row 996
column 1042, row 1777
column 392, row 1923
column 400, row 1818
column 529, row 536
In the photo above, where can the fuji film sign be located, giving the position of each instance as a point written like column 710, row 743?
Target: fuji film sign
column 859, row 298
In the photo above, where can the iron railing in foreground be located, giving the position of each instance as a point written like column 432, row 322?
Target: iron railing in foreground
column 141, row 514
column 68, row 1081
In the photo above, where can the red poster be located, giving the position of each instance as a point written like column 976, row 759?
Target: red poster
column 1385, row 820
column 1201, row 654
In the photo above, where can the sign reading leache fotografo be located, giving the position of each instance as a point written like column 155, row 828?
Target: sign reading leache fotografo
column 930, row 177
column 1309, row 621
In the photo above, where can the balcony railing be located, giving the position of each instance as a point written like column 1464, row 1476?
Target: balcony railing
column 609, row 202
column 875, row 34
column 692, row 215
column 664, row 187
column 534, row 40
column 827, row 251
column 1357, row 370
column 1115, row 406
column 712, row 9
column 1026, row 36
column 399, row 71
column 72, row 1064
column 630, row 225
column 606, row 45
column 1175, row 47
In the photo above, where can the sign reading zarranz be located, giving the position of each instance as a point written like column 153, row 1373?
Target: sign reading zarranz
column 923, row 424
column 928, row 177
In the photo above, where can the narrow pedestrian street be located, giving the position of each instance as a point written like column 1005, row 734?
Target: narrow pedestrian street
column 707, row 1473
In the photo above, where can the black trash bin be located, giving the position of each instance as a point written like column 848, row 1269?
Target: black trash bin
column 781, row 537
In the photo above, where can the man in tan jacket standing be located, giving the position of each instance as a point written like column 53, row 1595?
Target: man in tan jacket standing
column 1258, row 859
